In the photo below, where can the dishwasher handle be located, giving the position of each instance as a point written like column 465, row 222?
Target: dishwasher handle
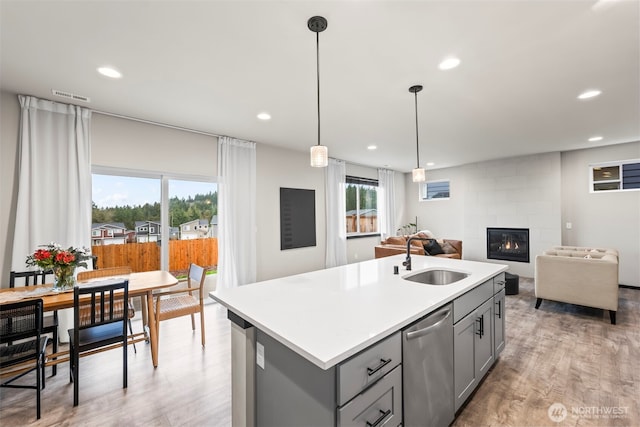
column 422, row 332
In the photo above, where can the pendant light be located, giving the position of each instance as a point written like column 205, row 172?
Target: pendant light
column 319, row 153
column 418, row 173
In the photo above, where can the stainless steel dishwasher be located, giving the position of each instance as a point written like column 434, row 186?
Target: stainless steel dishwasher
column 427, row 370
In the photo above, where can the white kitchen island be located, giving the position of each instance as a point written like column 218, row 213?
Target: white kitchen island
column 326, row 317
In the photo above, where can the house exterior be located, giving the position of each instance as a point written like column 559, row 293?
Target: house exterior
column 108, row 234
column 213, row 227
column 195, row 229
column 147, row 231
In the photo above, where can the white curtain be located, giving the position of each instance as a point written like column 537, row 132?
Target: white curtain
column 236, row 212
column 336, row 253
column 54, row 182
column 386, row 203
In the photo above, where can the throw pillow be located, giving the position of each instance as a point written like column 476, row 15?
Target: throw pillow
column 432, row 247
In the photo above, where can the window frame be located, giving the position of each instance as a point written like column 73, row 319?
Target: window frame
column 423, row 189
column 359, row 182
column 620, row 180
column 164, row 178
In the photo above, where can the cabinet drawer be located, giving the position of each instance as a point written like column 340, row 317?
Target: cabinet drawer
column 499, row 282
column 380, row 405
column 468, row 302
column 367, row 367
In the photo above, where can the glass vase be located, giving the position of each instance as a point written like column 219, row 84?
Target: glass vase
column 64, row 278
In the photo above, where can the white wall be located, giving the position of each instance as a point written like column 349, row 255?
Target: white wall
column 520, row 192
column 285, row 168
column 130, row 144
column 604, row 219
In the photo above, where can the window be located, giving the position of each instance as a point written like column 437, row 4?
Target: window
column 615, row 176
column 361, row 200
column 142, row 215
column 434, row 190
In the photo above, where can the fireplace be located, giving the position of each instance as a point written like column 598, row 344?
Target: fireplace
column 509, row 244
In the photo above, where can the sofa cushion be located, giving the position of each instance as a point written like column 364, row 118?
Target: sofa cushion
column 432, row 247
column 395, row 240
column 447, row 248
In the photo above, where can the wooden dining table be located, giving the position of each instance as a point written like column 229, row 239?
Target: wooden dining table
column 140, row 285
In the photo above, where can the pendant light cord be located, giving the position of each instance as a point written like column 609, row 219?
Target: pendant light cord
column 417, row 145
column 318, row 79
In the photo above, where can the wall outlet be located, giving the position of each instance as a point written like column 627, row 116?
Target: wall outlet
column 569, row 226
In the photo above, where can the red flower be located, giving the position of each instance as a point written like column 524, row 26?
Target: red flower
column 42, row 254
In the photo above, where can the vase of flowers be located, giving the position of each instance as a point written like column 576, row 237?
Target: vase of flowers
column 62, row 262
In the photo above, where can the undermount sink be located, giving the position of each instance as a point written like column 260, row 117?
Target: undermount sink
column 437, row 277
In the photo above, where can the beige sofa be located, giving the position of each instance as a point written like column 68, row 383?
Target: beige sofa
column 578, row 275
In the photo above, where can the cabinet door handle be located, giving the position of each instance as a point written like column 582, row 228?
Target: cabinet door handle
column 383, row 415
column 479, row 331
column 499, row 304
column 383, row 363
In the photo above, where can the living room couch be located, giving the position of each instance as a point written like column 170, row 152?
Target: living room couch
column 398, row 245
column 577, row 275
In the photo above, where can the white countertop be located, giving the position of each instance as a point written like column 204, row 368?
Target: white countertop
column 327, row 316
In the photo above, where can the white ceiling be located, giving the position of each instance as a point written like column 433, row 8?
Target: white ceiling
column 213, row 66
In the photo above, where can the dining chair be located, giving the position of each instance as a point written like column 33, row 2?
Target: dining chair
column 105, row 328
column 17, row 320
column 109, row 272
column 182, row 302
column 49, row 323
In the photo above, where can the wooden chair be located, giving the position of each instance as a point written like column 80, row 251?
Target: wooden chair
column 17, row 320
column 108, row 272
column 50, row 323
column 104, row 329
column 182, row 302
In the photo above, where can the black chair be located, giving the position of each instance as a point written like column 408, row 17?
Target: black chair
column 50, row 323
column 105, row 327
column 17, row 320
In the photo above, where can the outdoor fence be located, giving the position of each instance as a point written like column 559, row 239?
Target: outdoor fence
column 146, row 256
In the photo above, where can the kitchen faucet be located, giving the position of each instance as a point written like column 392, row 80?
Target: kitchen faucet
column 407, row 261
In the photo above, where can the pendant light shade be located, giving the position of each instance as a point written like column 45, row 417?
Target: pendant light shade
column 418, row 173
column 319, row 153
column 319, row 156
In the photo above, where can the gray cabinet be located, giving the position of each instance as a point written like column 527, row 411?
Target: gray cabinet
column 473, row 350
column 379, row 405
column 478, row 335
column 361, row 391
column 498, row 323
column 484, row 338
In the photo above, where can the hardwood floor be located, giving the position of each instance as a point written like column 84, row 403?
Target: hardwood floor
column 558, row 354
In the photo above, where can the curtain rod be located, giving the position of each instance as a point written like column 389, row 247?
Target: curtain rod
column 135, row 119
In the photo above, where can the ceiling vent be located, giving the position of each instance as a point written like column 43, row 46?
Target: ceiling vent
column 69, row 95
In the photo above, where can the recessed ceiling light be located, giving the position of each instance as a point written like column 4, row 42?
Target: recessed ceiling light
column 372, row 147
column 264, row 116
column 430, row 164
column 595, row 138
column 110, row 72
column 589, row 94
column 449, row 63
